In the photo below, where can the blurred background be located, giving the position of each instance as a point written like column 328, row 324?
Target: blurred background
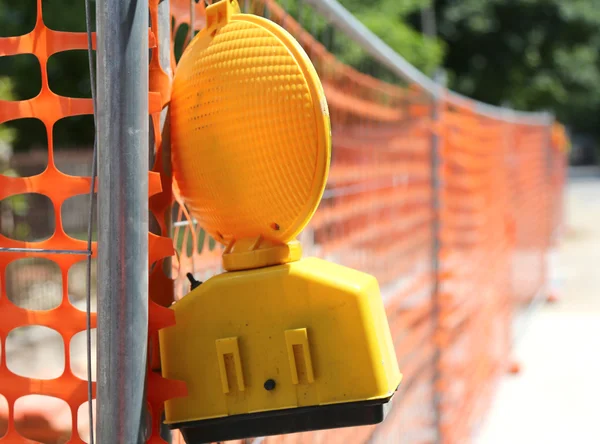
column 524, row 54
column 529, row 55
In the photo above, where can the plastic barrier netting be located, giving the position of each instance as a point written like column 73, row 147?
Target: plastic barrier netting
column 18, row 424
column 453, row 210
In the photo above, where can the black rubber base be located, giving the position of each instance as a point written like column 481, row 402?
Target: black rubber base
column 278, row 422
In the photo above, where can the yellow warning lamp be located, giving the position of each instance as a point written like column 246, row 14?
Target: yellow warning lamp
column 277, row 344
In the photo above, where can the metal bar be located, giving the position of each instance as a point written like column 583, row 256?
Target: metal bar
column 337, row 15
column 91, row 215
column 43, row 250
column 192, row 19
column 428, row 22
column 300, row 13
column 284, row 6
column 122, row 134
column 164, row 56
column 164, row 41
column 184, row 223
column 436, row 163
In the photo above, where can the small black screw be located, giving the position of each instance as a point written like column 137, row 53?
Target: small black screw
column 193, row 282
column 269, row 384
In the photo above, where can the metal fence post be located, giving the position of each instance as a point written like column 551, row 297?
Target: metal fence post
column 122, row 133
column 164, row 54
column 550, row 234
column 436, row 115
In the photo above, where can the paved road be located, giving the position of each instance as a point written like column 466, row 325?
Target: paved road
column 555, row 399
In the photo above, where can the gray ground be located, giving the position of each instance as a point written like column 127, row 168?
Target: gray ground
column 554, row 399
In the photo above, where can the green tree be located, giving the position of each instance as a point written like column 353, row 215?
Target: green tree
column 531, row 54
column 388, row 19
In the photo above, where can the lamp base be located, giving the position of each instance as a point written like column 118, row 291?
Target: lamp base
column 277, row 422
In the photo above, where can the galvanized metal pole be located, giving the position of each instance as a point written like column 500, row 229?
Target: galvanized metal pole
column 164, row 56
column 428, row 22
column 122, row 133
column 436, row 185
column 192, row 19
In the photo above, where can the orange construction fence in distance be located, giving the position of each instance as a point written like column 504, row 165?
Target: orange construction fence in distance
column 499, row 207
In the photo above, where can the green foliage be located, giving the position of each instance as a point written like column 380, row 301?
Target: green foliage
column 7, row 134
column 531, row 54
column 6, row 89
column 387, row 19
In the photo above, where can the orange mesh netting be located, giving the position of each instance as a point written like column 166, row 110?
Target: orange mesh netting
column 36, row 419
column 65, row 319
column 499, row 203
column 500, row 208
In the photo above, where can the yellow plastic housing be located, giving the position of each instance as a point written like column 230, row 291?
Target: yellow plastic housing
column 250, row 131
column 316, row 329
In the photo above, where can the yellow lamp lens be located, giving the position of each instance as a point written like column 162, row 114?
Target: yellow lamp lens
column 250, row 131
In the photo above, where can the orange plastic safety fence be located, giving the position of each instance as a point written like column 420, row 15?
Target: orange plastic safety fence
column 500, row 188
column 474, row 278
column 26, row 423
column 500, row 206
column 557, row 166
column 48, row 407
column 375, row 216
